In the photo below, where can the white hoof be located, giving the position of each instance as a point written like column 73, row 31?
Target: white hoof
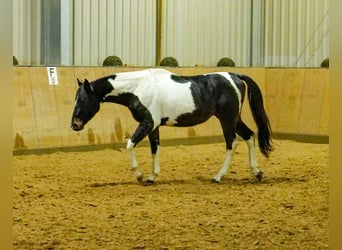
column 150, row 178
column 216, row 179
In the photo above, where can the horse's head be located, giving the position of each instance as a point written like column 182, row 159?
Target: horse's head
column 87, row 104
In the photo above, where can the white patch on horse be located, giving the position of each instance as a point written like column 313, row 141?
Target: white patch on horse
column 155, row 89
column 155, row 167
column 170, row 123
column 76, row 100
column 133, row 160
column 252, row 159
column 232, row 83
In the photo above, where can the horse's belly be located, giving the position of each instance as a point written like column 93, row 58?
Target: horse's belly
column 171, row 123
column 174, row 106
column 193, row 119
column 187, row 119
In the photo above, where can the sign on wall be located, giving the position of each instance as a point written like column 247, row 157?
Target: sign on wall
column 52, row 75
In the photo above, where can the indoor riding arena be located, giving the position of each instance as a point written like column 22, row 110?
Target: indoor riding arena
column 76, row 189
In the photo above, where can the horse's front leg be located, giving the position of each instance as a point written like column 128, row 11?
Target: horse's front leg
column 134, row 164
column 154, row 144
column 143, row 129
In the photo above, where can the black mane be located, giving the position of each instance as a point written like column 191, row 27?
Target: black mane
column 102, row 87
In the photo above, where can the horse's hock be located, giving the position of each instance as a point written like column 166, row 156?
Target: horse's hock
column 296, row 101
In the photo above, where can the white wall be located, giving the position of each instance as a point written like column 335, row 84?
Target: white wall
column 271, row 33
column 296, row 33
column 203, row 31
column 125, row 28
column 26, row 31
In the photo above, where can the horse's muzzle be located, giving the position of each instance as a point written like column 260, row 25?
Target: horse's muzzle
column 76, row 124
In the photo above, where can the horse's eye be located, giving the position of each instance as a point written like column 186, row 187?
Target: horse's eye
column 81, row 99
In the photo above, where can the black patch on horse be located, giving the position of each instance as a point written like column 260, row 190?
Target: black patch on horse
column 207, row 91
column 132, row 102
column 179, row 79
column 163, row 121
column 140, row 113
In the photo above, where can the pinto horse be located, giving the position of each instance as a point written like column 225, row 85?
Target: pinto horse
column 157, row 97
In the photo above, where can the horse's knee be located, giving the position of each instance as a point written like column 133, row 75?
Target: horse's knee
column 130, row 145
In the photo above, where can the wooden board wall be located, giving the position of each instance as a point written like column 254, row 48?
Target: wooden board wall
column 296, row 100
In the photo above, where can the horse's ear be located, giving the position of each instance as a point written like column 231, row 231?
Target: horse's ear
column 79, row 82
column 87, row 87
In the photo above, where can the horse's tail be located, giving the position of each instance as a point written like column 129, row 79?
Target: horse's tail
column 259, row 114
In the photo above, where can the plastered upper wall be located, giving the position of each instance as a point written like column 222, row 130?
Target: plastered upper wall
column 296, row 100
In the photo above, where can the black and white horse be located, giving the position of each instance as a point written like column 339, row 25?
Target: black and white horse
column 157, row 97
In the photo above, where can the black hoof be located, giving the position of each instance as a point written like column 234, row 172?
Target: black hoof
column 259, row 175
column 214, row 181
column 148, row 182
column 140, row 178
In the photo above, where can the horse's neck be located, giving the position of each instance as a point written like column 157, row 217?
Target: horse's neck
column 102, row 87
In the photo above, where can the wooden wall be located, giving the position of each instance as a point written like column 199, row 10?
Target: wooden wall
column 297, row 102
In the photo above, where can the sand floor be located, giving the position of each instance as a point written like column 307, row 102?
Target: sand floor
column 91, row 200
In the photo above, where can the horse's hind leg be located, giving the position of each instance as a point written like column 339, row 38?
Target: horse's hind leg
column 248, row 135
column 154, row 143
column 231, row 143
column 226, row 163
